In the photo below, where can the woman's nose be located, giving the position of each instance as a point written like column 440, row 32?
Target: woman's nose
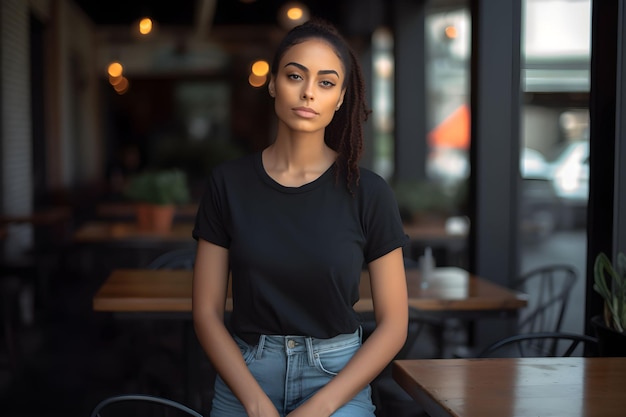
column 307, row 93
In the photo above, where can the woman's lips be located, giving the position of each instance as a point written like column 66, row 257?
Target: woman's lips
column 305, row 112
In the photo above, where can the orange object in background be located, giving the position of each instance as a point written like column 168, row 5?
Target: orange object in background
column 453, row 132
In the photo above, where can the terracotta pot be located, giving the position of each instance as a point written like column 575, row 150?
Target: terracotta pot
column 144, row 216
column 162, row 218
column 154, row 217
column 610, row 342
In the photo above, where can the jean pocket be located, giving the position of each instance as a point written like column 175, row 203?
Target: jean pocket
column 248, row 351
column 332, row 361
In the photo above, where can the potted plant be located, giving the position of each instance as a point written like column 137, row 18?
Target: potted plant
column 610, row 283
column 426, row 201
column 156, row 193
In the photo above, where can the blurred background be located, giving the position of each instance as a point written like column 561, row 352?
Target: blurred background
column 481, row 119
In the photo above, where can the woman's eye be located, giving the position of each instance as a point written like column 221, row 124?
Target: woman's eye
column 294, row 77
column 327, row 84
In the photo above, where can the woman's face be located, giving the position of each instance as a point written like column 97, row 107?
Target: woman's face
column 308, row 86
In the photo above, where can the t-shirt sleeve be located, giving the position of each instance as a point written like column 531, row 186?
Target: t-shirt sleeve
column 382, row 223
column 210, row 223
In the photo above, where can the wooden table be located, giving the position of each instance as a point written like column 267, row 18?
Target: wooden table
column 127, row 210
column 451, row 290
column 525, row 387
column 167, row 293
column 48, row 216
column 129, row 232
column 110, row 245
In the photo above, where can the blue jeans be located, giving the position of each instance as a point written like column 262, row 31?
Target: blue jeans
column 290, row 369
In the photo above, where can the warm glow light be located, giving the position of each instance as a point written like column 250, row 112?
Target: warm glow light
column 115, row 69
column 292, row 14
column 115, row 80
column 145, row 26
column 295, row 13
column 122, row 86
column 451, row 32
column 257, row 81
column 260, row 68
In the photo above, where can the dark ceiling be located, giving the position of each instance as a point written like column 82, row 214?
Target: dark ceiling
column 183, row 12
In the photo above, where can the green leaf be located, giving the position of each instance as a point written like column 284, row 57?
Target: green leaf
column 610, row 283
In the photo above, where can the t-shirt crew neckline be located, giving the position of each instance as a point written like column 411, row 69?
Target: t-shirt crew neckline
column 325, row 177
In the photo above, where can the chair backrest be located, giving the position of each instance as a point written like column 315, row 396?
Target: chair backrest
column 549, row 289
column 175, row 259
column 544, row 344
column 141, row 398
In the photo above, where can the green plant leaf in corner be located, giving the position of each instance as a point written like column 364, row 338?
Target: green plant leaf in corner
column 610, row 283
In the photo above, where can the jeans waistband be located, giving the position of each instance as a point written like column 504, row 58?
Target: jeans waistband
column 310, row 345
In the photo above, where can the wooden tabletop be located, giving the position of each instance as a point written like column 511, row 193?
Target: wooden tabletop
column 48, row 216
column 524, row 387
column 145, row 290
column 435, row 231
column 126, row 209
column 115, row 232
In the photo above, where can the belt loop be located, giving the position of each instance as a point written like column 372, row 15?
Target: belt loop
column 259, row 348
column 309, row 350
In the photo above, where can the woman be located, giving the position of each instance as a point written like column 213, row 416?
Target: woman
column 294, row 224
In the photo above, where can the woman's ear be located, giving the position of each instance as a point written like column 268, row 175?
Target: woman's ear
column 271, row 87
column 340, row 102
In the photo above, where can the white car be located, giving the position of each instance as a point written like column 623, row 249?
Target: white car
column 571, row 174
column 534, row 165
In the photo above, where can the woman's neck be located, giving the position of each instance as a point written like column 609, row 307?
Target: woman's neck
column 297, row 159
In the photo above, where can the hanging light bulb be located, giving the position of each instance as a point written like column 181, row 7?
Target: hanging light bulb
column 293, row 14
column 145, row 26
column 115, row 69
column 260, row 68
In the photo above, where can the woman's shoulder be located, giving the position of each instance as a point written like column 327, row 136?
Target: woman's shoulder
column 369, row 180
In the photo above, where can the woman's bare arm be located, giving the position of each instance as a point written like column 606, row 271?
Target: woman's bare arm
column 210, row 285
column 389, row 293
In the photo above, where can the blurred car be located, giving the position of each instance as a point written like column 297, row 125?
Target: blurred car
column 534, row 165
column 571, row 174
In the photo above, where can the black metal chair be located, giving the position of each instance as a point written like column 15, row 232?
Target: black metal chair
column 159, row 342
column 542, row 344
column 143, row 402
column 203, row 372
column 183, row 258
column 549, row 288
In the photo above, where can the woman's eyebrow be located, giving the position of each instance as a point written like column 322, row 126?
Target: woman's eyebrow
column 305, row 69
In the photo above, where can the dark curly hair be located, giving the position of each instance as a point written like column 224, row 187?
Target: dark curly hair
column 344, row 134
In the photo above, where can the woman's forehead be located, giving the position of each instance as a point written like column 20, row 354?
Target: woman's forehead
column 315, row 51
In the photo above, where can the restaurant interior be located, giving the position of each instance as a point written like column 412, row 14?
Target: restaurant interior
column 476, row 107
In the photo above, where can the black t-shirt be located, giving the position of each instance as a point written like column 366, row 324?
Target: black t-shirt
column 296, row 253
